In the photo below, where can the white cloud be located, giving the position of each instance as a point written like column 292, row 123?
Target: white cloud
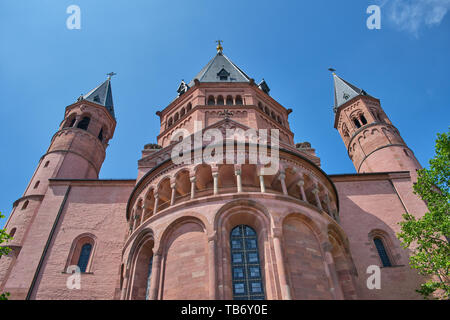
column 412, row 15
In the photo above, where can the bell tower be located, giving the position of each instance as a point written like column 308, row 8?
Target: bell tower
column 77, row 151
column 373, row 143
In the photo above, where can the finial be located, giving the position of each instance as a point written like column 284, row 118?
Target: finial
column 110, row 75
column 332, row 71
column 219, row 46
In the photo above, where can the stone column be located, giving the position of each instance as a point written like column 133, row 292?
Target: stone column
column 237, row 172
column 212, row 267
column 216, row 182
column 142, row 214
column 301, row 184
column 134, row 221
column 327, row 201
column 261, row 183
column 315, row 191
column 330, row 268
column 285, row 290
column 123, row 292
column 77, row 120
column 156, row 195
column 192, row 179
column 154, row 281
column 172, row 197
column 282, row 177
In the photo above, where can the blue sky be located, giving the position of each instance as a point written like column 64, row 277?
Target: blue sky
column 152, row 45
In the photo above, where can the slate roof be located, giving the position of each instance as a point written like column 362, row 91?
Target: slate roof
column 344, row 91
column 102, row 95
column 214, row 69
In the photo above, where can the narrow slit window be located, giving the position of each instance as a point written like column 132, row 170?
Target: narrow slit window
column 382, row 252
column 84, row 257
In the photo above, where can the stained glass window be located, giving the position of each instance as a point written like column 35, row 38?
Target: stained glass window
column 245, row 264
column 382, row 252
column 84, row 257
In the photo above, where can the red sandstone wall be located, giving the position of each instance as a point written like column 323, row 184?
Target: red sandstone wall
column 97, row 209
column 372, row 204
column 186, row 264
column 304, row 262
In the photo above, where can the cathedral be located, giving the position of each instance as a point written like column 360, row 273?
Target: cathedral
column 220, row 229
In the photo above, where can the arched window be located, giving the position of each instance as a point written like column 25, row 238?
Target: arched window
column 81, row 252
column 36, row 184
column 100, row 135
column 266, row 110
column 239, row 100
column 189, row 107
column 382, row 252
column 245, row 264
column 46, row 164
column 356, row 122
column 363, row 120
column 176, row 117
column 12, row 232
column 84, row 123
column 72, row 122
column 169, row 123
column 279, row 120
column 85, row 254
column 220, row 101
column 229, row 100
column 182, row 112
column 211, row 101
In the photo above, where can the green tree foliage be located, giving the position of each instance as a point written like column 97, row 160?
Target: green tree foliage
column 428, row 236
column 4, row 237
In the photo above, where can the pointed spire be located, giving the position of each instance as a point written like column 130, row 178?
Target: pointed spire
column 102, row 95
column 344, row 91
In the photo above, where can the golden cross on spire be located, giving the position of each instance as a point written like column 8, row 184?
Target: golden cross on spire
column 219, row 46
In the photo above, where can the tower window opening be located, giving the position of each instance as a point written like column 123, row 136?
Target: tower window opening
column 239, row 100
column 189, row 107
column 169, row 123
column 25, row 205
column 211, row 101
column 182, row 112
column 46, row 164
column 382, row 252
column 363, row 120
column 356, row 122
column 176, row 117
column 406, row 152
column 100, row 135
column 12, row 232
column 245, row 264
column 84, row 123
column 220, row 101
column 36, row 184
column 72, row 123
column 229, row 100
column 272, row 114
column 266, row 110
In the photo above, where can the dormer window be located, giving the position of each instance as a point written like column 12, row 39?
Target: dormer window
column 223, row 75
